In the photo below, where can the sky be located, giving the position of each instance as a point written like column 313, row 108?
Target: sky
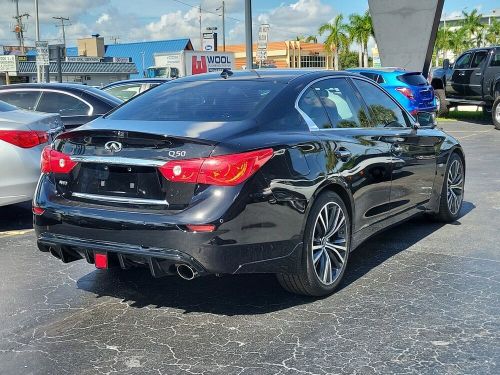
column 140, row 20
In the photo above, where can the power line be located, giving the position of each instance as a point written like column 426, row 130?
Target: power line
column 62, row 26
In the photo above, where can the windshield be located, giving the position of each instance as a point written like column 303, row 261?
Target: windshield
column 5, row 107
column 200, row 101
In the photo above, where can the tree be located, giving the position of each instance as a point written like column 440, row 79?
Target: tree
column 367, row 33
column 473, row 27
column 306, row 39
column 442, row 43
column 458, row 40
column 337, row 38
column 493, row 32
column 355, row 29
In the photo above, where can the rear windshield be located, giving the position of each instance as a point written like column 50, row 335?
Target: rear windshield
column 227, row 100
column 5, row 107
column 413, row 79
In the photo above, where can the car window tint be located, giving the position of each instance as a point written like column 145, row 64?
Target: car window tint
column 125, row 92
column 380, row 79
column 310, row 104
column 185, row 100
column 479, row 59
column 65, row 105
column 21, row 99
column 341, row 103
column 495, row 60
column 463, row 62
column 6, row 107
column 385, row 112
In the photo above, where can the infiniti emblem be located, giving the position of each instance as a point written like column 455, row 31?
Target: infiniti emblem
column 113, row 146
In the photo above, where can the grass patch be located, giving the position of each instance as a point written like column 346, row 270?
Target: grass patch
column 454, row 115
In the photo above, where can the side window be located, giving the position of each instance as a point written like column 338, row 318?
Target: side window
column 464, row 61
column 65, row 105
column 380, row 79
column 21, row 99
column 341, row 103
column 385, row 112
column 495, row 59
column 479, row 59
column 372, row 76
column 310, row 105
column 125, row 92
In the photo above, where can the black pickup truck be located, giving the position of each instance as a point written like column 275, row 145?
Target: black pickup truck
column 474, row 79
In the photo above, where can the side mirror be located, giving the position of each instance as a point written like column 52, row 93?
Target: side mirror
column 446, row 64
column 426, row 120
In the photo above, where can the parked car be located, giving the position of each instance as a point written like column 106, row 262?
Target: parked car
column 411, row 89
column 77, row 104
column 129, row 88
column 23, row 135
column 274, row 171
column 474, row 79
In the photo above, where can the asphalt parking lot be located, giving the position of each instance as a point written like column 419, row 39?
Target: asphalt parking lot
column 421, row 298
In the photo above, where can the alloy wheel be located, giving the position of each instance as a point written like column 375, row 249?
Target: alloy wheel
column 329, row 243
column 455, row 186
column 497, row 113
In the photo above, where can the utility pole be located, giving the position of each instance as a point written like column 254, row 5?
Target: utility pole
column 201, row 34
column 62, row 25
column 37, row 23
column 19, row 28
column 248, row 34
column 115, row 39
column 223, row 7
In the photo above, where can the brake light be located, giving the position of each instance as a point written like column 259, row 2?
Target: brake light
column 225, row 170
column 406, row 92
column 201, row 228
column 56, row 162
column 24, row 138
column 37, row 210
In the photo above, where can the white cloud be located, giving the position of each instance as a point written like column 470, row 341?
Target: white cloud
column 103, row 18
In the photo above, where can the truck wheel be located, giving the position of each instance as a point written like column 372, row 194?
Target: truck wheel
column 442, row 105
column 495, row 113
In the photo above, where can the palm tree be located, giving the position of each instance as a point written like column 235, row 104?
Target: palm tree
column 306, row 39
column 355, row 29
column 472, row 26
column 367, row 33
column 493, row 33
column 336, row 39
column 442, row 43
column 457, row 40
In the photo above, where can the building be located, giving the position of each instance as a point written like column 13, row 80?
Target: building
column 139, row 53
column 287, row 54
column 453, row 22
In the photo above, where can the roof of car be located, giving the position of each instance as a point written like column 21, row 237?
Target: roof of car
column 380, row 70
column 284, row 75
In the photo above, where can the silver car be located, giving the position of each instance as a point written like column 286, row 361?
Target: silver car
column 23, row 135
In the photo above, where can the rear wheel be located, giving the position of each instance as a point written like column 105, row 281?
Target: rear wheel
column 442, row 107
column 495, row 113
column 452, row 193
column 325, row 250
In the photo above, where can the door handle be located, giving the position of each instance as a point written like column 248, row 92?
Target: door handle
column 343, row 154
column 461, row 73
column 478, row 74
column 396, row 149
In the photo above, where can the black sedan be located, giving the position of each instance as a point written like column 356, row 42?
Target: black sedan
column 281, row 172
column 77, row 104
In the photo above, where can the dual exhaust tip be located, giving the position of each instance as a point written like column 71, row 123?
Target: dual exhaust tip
column 186, row 272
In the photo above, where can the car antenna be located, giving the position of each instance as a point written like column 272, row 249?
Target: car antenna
column 226, row 73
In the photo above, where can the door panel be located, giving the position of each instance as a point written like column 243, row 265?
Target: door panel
column 474, row 89
column 459, row 77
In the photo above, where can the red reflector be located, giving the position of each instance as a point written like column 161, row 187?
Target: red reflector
column 38, row 210
column 225, row 170
column 101, row 260
column 24, row 138
column 406, row 92
column 201, row 228
column 55, row 162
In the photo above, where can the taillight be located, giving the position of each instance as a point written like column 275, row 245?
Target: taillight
column 24, row 138
column 55, row 162
column 225, row 170
column 406, row 92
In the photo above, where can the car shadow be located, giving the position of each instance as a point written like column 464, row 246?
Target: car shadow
column 247, row 294
column 16, row 217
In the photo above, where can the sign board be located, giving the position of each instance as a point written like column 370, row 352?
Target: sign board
column 206, row 62
column 209, row 41
column 83, row 59
column 121, row 59
column 8, row 63
column 262, row 42
column 42, row 53
column 261, row 55
column 376, row 58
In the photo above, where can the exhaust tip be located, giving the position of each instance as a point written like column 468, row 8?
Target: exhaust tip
column 186, row 272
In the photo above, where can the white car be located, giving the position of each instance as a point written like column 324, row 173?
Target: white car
column 23, row 135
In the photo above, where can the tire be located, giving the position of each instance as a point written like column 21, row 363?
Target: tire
column 449, row 208
column 314, row 277
column 495, row 113
column 441, row 102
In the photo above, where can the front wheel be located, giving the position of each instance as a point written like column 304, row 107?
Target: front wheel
column 452, row 194
column 325, row 250
column 495, row 113
column 442, row 106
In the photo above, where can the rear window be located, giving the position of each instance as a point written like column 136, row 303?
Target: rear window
column 227, row 100
column 415, row 79
column 5, row 107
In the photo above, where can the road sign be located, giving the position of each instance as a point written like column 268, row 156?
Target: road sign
column 8, row 63
column 42, row 53
column 261, row 54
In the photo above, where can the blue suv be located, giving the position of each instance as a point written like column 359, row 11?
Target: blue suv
column 410, row 89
